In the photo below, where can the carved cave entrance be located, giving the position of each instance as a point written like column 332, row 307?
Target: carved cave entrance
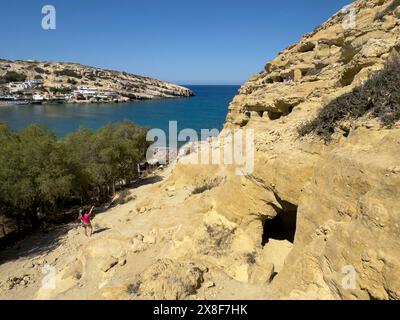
column 283, row 226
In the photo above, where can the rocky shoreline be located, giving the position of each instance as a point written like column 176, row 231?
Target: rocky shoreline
column 75, row 83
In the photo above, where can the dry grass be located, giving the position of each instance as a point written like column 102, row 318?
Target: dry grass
column 207, row 185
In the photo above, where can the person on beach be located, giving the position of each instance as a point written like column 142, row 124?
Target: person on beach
column 85, row 218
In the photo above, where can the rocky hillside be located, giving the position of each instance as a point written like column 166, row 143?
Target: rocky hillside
column 324, row 64
column 344, row 188
column 71, row 75
column 318, row 218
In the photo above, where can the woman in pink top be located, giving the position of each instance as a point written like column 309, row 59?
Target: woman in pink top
column 85, row 218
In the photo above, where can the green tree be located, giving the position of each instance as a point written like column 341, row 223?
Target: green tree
column 122, row 146
column 57, row 181
column 39, row 170
column 81, row 157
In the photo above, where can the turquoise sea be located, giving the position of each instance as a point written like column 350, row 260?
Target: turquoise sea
column 207, row 110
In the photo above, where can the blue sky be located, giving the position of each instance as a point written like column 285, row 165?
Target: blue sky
column 186, row 42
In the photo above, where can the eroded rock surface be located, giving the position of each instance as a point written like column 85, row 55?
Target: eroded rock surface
column 296, row 227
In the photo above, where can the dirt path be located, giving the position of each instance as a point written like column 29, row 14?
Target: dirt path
column 22, row 265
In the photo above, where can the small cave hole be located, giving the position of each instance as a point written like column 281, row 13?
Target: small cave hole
column 260, row 113
column 349, row 75
column 283, row 226
column 305, row 72
column 274, row 115
column 307, row 47
column 246, row 119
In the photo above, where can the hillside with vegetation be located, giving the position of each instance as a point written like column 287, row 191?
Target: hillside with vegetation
column 38, row 170
column 61, row 78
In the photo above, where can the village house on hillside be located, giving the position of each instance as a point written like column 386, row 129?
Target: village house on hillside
column 86, row 91
column 93, row 93
column 26, row 92
column 15, row 87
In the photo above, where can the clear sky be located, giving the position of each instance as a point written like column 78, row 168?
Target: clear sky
column 183, row 41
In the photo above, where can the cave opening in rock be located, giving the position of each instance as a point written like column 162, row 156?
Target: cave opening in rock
column 349, row 75
column 260, row 113
column 283, row 226
column 274, row 115
column 307, row 47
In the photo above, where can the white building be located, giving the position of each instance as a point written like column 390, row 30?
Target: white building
column 15, row 87
column 87, row 92
column 33, row 83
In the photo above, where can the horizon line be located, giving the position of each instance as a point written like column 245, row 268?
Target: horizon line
column 209, row 85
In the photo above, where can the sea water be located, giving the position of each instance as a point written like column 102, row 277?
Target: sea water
column 206, row 110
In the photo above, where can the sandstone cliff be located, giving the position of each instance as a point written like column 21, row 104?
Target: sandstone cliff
column 310, row 214
column 71, row 75
column 344, row 191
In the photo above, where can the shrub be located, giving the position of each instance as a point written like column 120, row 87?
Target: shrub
column 250, row 257
column 217, row 239
column 91, row 76
column 80, row 97
column 39, row 70
column 12, row 76
column 60, row 90
column 72, row 81
column 378, row 97
column 68, row 73
column 134, row 288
